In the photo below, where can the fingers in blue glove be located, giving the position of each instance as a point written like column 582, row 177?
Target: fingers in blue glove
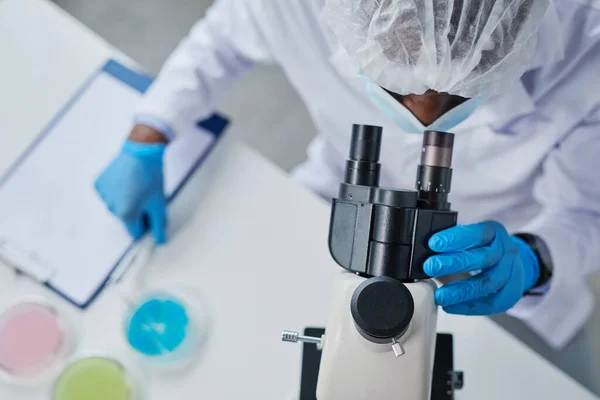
column 155, row 220
column 464, row 237
column 476, row 287
column 132, row 186
column 496, row 303
column 157, row 214
column 464, row 261
column 135, row 227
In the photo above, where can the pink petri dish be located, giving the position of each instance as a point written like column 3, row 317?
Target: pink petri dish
column 32, row 339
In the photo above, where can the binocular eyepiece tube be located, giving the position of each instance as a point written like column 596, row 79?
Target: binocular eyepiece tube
column 378, row 231
column 363, row 166
column 434, row 174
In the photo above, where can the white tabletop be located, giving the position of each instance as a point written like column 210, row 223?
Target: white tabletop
column 242, row 234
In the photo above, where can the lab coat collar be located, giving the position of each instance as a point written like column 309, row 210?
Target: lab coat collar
column 501, row 109
column 550, row 45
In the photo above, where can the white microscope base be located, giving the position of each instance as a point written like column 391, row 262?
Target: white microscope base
column 353, row 368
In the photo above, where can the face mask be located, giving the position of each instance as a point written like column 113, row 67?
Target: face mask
column 408, row 122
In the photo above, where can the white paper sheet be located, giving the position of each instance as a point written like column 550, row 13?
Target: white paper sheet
column 48, row 205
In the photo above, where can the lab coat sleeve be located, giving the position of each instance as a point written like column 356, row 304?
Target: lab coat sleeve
column 569, row 191
column 219, row 49
column 321, row 172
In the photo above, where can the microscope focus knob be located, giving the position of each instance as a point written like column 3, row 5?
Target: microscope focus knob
column 382, row 308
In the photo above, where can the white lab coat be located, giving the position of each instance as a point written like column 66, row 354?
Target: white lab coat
column 528, row 158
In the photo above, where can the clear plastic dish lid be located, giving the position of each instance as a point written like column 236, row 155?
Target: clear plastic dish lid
column 167, row 328
column 167, row 324
column 35, row 340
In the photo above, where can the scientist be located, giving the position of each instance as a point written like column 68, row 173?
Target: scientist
column 516, row 81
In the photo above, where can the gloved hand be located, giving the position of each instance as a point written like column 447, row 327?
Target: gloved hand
column 508, row 268
column 132, row 186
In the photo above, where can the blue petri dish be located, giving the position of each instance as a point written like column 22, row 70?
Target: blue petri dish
column 158, row 326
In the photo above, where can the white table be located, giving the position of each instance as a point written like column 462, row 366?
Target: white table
column 243, row 234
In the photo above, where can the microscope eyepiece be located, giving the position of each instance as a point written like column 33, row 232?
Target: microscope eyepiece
column 363, row 166
column 437, row 149
column 434, row 175
column 366, row 143
column 438, row 139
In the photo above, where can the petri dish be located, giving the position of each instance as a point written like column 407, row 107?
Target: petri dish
column 159, row 325
column 94, row 378
column 33, row 339
column 165, row 329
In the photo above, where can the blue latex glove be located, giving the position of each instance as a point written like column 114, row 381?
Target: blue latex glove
column 132, row 187
column 508, row 268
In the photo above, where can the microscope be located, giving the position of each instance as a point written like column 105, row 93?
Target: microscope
column 380, row 338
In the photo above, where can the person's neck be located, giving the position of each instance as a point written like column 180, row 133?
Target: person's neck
column 429, row 106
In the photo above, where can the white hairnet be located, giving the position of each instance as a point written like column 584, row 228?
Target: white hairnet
column 463, row 47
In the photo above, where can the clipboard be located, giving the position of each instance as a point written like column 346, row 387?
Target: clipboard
column 42, row 245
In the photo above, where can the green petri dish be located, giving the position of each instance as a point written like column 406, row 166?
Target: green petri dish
column 94, row 378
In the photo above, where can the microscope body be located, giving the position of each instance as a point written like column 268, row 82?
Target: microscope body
column 353, row 367
column 380, row 337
